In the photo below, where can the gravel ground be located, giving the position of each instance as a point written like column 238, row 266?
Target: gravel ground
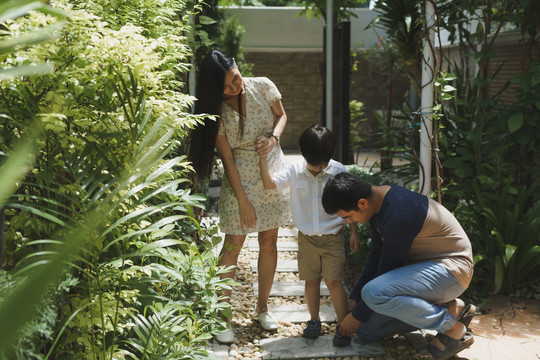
column 249, row 333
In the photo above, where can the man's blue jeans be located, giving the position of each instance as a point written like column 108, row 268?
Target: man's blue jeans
column 405, row 299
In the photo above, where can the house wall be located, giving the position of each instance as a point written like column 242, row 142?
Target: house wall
column 297, row 76
column 512, row 57
column 281, row 29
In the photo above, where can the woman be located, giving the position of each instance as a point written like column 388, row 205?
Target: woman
column 249, row 117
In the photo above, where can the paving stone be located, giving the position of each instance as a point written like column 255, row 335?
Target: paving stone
column 282, row 232
column 283, row 265
column 289, row 288
column 281, row 245
column 218, row 351
column 301, row 348
column 288, row 232
column 298, row 313
column 254, row 246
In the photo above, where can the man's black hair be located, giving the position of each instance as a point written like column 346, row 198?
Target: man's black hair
column 343, row 191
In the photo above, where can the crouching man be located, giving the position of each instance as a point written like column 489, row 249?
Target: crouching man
column 420, row 261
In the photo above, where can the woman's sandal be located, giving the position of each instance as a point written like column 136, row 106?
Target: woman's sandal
column 444, row 347
column 466, row 315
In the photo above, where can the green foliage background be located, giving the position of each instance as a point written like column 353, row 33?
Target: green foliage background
column 99, row 233
column 485, row 148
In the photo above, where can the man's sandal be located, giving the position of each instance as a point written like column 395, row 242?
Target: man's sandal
column 444, row 347
column 466, row 315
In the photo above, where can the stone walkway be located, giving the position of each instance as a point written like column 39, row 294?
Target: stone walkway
column 509, row 330
column 293, row 313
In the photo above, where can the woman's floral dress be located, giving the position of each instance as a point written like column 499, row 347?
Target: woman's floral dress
column 271, row 206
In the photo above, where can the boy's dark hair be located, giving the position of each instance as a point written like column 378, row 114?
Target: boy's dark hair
column 317, row 145
column 343, row 191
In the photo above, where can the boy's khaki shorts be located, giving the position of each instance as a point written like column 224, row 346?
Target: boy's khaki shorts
column 321, row 256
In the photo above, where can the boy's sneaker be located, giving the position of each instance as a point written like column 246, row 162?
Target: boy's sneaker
column 313, row 329
column 341, row 340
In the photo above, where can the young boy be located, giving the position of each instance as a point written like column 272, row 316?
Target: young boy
column 321, row 253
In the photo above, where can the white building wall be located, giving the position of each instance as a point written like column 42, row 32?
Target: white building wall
column 281, row 29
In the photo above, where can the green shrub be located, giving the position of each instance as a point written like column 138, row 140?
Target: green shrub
column 490, row 183
column 107, row 201
column 366, row 175
column 485, row 153
column 32, row 339
column 510, row 243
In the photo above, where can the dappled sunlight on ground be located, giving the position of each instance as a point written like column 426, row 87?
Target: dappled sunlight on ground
column 510, row 329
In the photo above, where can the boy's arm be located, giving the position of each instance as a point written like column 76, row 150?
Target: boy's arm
column 265, row 173
column 353, row 239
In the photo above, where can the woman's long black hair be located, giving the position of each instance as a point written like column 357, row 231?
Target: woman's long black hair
column 210, row 87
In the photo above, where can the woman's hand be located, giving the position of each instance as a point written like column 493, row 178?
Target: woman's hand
column 265, row 144
column 248, row 217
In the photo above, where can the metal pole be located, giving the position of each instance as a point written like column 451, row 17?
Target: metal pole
column 329, row 58
column 426, row 107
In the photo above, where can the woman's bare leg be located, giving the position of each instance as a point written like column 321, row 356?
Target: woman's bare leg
column 229, row 257
column 266, row 266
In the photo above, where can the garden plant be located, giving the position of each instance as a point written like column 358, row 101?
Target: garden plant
column 485, row 149
column 99, row 260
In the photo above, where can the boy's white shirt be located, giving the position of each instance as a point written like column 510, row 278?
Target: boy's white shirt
column 306, row 197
